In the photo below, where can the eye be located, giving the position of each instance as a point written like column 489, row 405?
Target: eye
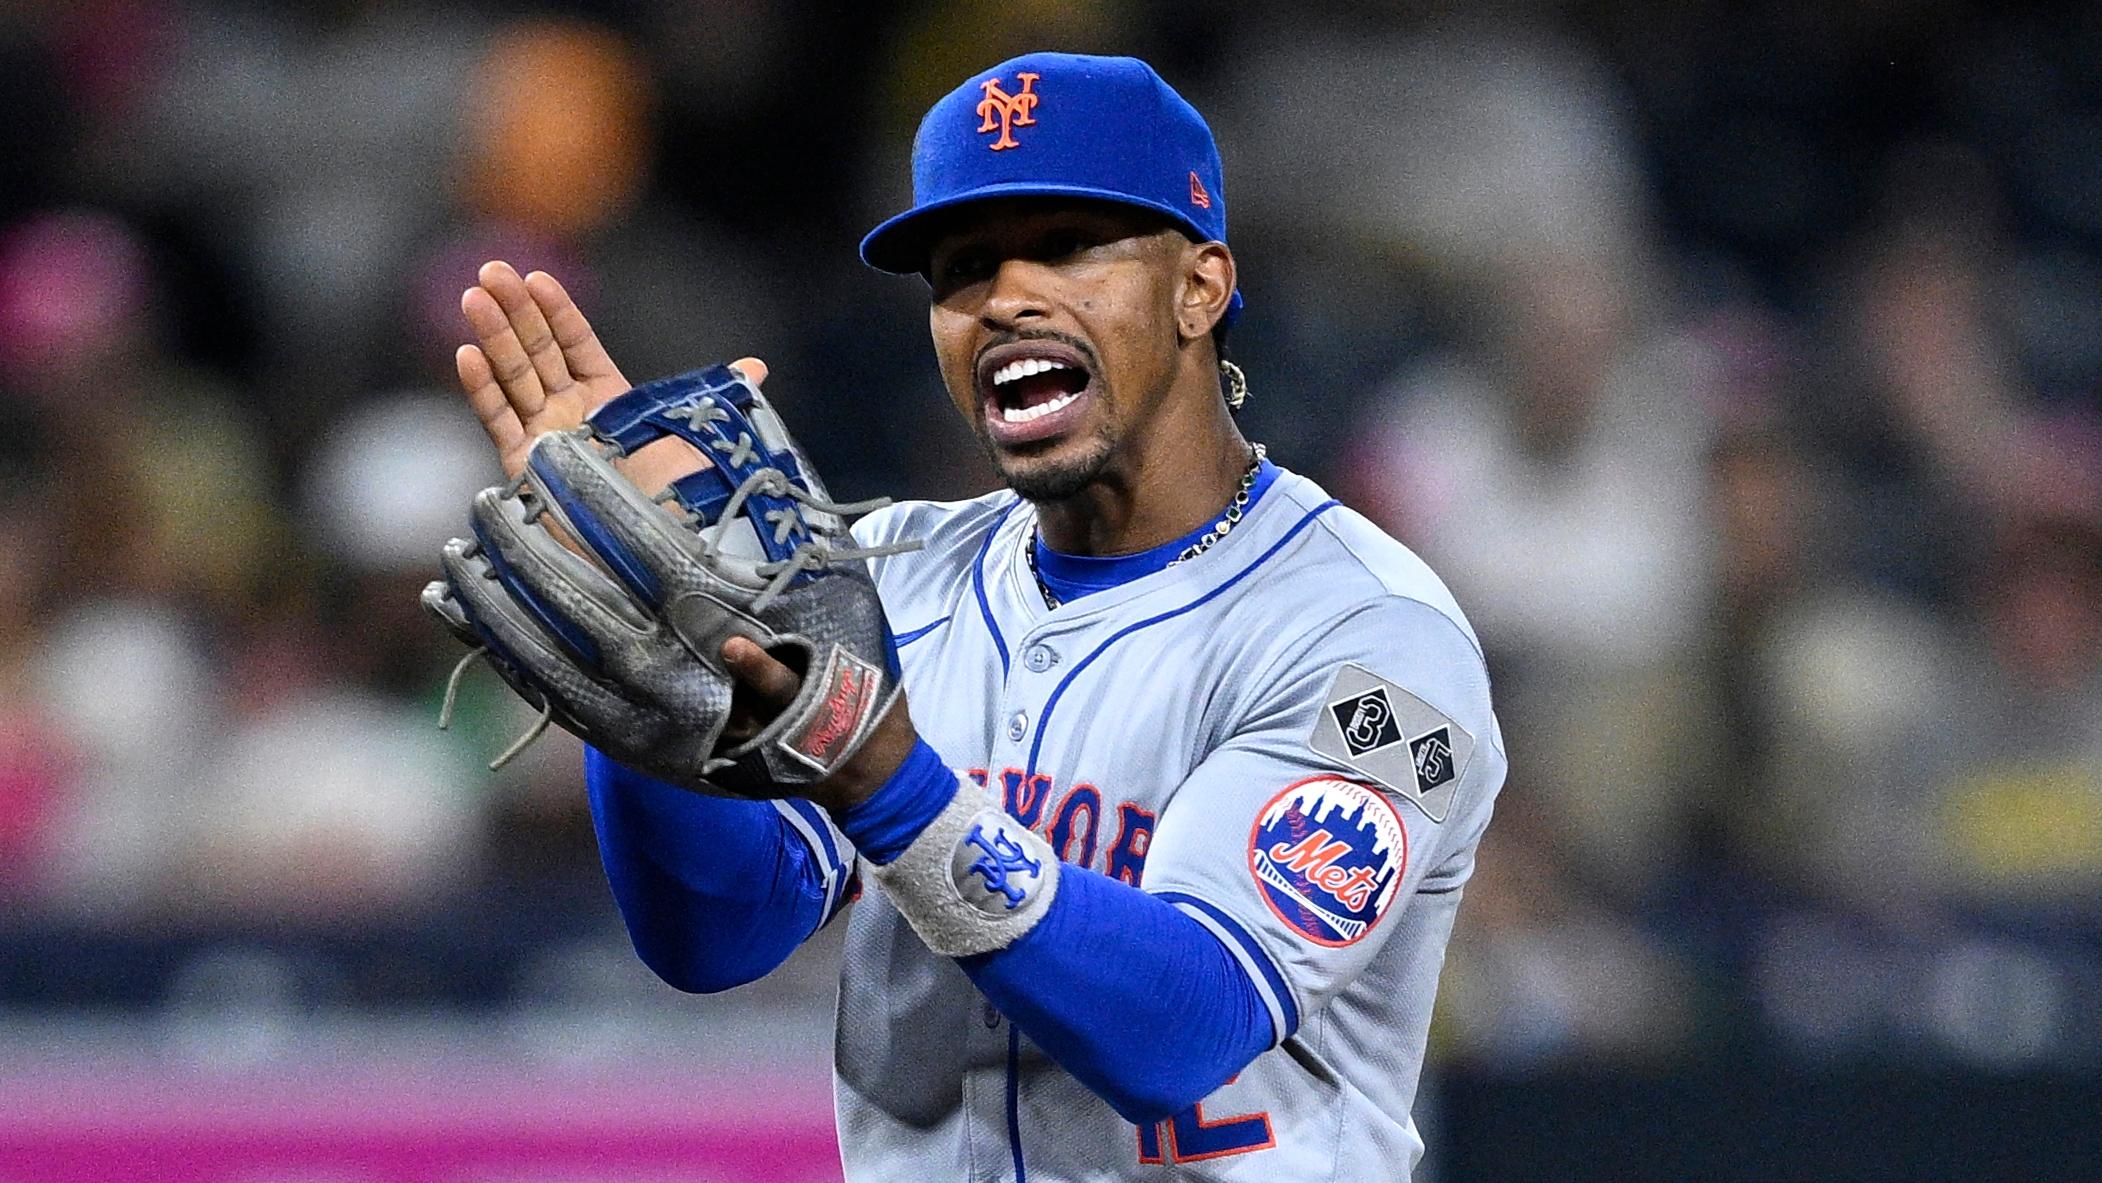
column 964, row 267
column 1058, row 244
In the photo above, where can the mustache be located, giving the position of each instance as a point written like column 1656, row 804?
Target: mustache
column 1094, row 362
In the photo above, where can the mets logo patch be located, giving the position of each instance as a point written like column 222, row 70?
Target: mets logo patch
column 1328, row 854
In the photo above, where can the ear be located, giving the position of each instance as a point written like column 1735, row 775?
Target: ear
column 1208, row 283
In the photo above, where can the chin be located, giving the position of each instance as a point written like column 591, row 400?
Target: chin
column 1056, row 473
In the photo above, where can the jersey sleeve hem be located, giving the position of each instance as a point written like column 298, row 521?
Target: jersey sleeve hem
column 1261, row 969
column 829, row 849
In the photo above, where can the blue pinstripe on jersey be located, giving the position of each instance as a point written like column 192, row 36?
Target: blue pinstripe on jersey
column 923, row 630
column 978, row 586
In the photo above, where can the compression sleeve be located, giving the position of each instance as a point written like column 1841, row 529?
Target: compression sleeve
column 715, row 892
column 1138, row 1001
column 1130, row 994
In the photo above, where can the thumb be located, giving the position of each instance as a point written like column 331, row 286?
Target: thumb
column 773, row 682
column 752, row 368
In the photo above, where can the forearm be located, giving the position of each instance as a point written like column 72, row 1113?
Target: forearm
column 1139, row 1001
column 715, row 892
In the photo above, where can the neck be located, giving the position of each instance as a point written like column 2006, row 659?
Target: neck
column 1187, row 468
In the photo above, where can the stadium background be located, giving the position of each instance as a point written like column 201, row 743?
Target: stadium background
column 1737, row 363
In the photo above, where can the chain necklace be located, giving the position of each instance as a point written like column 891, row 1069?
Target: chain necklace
column 1220, row 529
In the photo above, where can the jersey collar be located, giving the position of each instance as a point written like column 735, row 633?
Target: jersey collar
column 1073, row 577
column 1260, row 525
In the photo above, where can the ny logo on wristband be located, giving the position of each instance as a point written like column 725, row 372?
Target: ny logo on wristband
column 1002, row 862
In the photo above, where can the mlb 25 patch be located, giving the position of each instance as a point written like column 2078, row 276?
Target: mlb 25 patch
column 1394, row 738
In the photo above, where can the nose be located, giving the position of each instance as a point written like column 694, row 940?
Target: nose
column 1016, row 295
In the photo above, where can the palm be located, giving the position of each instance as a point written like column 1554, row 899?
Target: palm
column 539, row 367
column 569, row 408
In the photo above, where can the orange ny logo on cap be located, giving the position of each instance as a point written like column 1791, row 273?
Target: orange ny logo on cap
column 1011, row 110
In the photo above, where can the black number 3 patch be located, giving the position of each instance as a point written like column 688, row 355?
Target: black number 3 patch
column 1395, row 738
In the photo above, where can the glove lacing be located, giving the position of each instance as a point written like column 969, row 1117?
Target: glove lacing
column 812, row 555
column 452, row 694
column 452, row 697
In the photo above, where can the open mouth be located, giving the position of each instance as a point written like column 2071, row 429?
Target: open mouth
column 1034, row 387
column 1032, row 390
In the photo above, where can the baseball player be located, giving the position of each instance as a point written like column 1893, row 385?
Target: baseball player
column 1168, row 845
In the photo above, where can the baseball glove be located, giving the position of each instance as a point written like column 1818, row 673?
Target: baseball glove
column 620, row 644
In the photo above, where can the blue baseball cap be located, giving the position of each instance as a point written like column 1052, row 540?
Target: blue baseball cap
column 1059, row 125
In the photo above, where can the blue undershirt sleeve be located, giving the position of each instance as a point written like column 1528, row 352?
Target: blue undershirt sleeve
column 1136, row 999
column 715, row 892
column 1130, row 994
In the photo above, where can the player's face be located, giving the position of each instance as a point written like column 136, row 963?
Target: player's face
column 1054, row 326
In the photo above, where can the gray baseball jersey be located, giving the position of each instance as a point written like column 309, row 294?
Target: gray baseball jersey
column 1289, row 737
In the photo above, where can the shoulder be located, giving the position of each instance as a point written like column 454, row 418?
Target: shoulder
column 1347, row 609
column 1346, row 574
column 939, row 526
column 926, row 519
column 1374, row 668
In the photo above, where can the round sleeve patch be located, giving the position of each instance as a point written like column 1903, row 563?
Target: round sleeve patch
column 1328, row 855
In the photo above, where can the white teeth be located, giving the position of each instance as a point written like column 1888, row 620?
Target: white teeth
column 1024, row 368
column 1025, row 414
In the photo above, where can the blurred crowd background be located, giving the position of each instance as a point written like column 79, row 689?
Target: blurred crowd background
column 1738, row 364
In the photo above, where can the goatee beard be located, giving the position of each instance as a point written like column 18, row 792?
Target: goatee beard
column 1054, row 480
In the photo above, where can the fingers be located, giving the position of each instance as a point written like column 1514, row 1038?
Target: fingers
column 506, row 355
column 518, row 638
column 581, row 353
column 772, row 681
column 438, row 600
column 528, row 324
column 573, row 600
column 490, row 406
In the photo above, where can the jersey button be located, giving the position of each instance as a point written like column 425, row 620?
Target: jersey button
column 1040, row 658
column 1018, row 725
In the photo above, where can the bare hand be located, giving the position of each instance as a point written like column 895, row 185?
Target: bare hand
column 539, row 367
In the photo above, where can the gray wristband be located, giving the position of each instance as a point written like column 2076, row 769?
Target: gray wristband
column 975, row 879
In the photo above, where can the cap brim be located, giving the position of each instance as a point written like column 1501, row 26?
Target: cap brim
column 900, row 244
